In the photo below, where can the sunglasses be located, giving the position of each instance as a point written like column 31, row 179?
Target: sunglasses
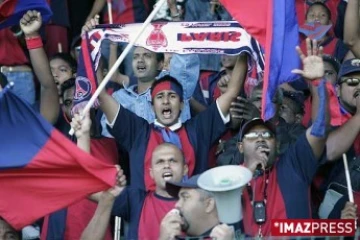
column 255, row 135
column 351, row 81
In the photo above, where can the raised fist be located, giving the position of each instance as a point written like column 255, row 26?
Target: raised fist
column 30, row 23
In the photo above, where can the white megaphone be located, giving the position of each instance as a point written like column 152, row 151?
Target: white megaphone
column 226, row 183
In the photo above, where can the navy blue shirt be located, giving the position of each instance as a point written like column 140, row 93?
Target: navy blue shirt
column 288, row 188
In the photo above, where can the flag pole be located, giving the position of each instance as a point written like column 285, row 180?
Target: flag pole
column 119, row 60
column 348, row 181
column 109, row 5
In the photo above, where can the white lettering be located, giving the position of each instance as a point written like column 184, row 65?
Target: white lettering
column 288, row 227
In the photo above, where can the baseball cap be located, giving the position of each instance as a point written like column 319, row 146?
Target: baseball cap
column 255, row 122
column 173, row 188
column 349, row 66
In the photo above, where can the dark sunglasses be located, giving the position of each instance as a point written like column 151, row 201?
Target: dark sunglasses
column 255, row 135
column 351, row 81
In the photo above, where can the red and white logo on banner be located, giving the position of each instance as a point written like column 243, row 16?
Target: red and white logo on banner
column 313, row 227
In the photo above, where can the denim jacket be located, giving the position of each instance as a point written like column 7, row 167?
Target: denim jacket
column 199, row 11
column 185, row 68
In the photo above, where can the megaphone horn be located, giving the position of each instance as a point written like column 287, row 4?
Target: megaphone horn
column 226, row 183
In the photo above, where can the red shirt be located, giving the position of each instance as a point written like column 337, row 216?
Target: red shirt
column 154, row 210
column 11, row 53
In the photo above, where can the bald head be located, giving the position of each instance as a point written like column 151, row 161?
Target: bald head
column 167, row 164
column 167, row 148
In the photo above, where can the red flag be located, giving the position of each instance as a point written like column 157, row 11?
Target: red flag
column 41, row 171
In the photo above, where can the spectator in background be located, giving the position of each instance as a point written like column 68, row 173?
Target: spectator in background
column 351, row 30
column 318, row 12
column 336, row 7
column 292, row 108
column 123, row 11
column 15, row 65
column 56, row 31
column 63, row 67
column 331, row 68
column 210, row 88
column 205, row 10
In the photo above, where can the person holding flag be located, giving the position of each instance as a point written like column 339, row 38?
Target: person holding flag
column 194, row 137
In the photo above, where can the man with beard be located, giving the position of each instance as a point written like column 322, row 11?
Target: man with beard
column 143, row 210
column 195, row 214
column 345, row 139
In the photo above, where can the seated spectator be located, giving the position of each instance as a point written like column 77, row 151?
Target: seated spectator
column 144, row 210
column 195, row 214
column 319, row 13
column 195, row 136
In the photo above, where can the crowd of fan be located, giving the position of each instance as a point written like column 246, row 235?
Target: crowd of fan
column 166, row 118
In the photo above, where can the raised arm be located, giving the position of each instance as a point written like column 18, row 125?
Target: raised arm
column 347, row 133
column 235, row 84
column 96, row 9
column 108, row 104
column 313, row 69
column 96, row 229
column 49, row 100
column 352, row 27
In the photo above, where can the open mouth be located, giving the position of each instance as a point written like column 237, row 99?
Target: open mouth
column 263, row 147
column 166, row 112
column 141, row 68
column 167, row 176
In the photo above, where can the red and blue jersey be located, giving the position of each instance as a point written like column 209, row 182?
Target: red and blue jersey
column 288, row 190
column 143, row 211
column 140, row 138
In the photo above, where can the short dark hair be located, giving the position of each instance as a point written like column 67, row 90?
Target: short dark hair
column 166, row 78
column 66, row 57
column 67, row 85
column 319, row 4
column 3, row 80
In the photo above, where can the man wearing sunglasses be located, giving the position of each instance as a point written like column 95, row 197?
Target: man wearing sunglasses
column 345, row 138
column 281, row 182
